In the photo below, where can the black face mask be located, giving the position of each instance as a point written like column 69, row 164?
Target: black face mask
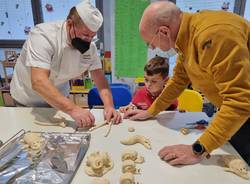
column 80, row 44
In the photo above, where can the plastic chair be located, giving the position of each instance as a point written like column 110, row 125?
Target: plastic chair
column 120, row 92
column 190, row 100
column 139, row 80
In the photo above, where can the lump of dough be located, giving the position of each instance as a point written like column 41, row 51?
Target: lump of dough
column 137, row 139
column 132, row 155
column 235, row 165
column 34, row 140
column 129, row 166
column 98, row 164
column 127, row 178
column 131, row 129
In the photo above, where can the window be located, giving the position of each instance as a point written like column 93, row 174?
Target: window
column 194, row 5
column 54, row 10
column 247, row 10
column 19, row 16
column 16, row 19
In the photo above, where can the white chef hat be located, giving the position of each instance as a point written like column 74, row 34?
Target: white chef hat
column 90, row 15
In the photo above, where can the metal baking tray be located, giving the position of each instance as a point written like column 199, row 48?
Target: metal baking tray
column 59, row 158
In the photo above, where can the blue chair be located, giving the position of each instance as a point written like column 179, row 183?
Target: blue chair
column 120, row 92
column 120, row 84
column 1, row 81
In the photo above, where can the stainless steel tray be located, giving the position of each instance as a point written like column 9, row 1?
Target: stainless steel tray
column 58, row 161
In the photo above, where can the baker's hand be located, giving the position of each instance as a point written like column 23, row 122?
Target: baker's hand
column 82, row 117
column 179, row 155
column 137, row 114
column 111, row 113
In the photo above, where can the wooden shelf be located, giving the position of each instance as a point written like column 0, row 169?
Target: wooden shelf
column 10, row 64
column 79, row 91
column 7, row 64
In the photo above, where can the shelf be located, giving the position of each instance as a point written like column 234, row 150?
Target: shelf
column 79, row 91
column 9, row 64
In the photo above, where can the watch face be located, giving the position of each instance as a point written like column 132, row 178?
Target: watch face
column 198, row 148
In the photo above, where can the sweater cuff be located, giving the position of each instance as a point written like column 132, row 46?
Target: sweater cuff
column 208, row 141
column 153, row 111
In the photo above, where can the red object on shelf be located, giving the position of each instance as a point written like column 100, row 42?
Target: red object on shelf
column 107, row 54
column 107, row 62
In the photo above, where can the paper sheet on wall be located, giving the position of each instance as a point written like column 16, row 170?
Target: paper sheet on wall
column 130, row 49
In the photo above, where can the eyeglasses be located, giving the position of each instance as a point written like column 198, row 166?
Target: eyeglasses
column 149, row 45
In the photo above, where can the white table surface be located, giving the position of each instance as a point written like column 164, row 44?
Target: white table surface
column 161, row 131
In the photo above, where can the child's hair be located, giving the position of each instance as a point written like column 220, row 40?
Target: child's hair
column 157, row 65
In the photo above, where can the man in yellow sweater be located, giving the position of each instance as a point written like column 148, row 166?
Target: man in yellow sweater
column 213, row 55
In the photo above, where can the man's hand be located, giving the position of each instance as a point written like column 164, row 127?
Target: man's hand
column 179, row 155
column 106, row 96
column 82, row 117
column 111, row 113
column 137, row 114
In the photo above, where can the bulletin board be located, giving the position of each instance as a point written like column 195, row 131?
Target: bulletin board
column 130, row 49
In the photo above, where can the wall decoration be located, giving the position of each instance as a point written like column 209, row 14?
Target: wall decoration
column 27, row 30
column 196, row 6
column 225, row 6
column 49, row 7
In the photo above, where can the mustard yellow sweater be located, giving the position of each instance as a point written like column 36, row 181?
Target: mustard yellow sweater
column 213, row 54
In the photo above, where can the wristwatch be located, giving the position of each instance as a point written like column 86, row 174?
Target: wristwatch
column 199, row 150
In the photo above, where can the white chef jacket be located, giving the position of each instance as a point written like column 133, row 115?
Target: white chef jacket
column 46, row 47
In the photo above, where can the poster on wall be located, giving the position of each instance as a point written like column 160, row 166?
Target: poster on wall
column 130, row 49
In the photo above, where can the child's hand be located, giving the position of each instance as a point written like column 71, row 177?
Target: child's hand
column 123, row 109
column 127, row 107
column 137, row 114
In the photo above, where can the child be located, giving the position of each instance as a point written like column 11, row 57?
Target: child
column 155, row 75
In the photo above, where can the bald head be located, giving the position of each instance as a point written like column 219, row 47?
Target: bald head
column 157, row 14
